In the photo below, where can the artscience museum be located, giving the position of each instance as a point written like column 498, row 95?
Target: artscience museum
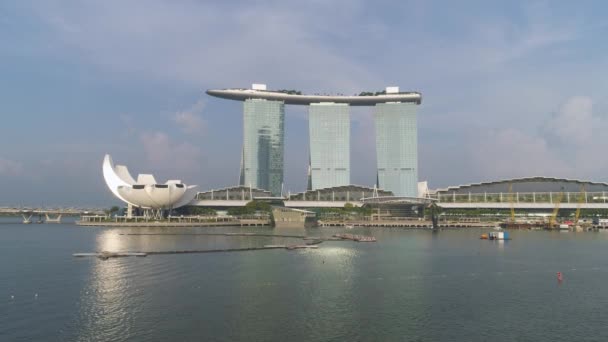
column 145, row 192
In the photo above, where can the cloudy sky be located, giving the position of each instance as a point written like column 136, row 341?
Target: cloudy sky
column 510, row 88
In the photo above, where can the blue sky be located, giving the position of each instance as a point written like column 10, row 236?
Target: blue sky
column 510, row 89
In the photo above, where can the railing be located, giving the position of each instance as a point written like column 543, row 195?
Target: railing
column 94, row 218
column 522, row 197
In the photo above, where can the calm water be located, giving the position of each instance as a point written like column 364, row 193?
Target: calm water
column 409, row 286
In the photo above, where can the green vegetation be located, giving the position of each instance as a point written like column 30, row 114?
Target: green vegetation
column 348, row 212
column 113, row 210
column 289, row 91
column 368, row 93
column 251, row 208
column 194, row 210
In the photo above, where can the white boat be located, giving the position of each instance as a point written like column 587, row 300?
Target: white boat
column 497, row 228
column 349, row 226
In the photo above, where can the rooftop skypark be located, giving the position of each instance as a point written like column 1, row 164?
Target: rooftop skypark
column 295, row 97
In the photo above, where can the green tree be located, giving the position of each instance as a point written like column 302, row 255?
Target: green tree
column 254, row 206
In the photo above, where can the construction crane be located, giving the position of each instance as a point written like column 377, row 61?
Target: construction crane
column 553, row 219
column 512, row 202
column 579, row 203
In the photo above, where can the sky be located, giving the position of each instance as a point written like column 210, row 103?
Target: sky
column 510, row 88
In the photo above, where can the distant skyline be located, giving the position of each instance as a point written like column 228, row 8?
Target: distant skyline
column 510, row 89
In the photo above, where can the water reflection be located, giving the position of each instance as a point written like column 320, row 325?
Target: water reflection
column 107, row 310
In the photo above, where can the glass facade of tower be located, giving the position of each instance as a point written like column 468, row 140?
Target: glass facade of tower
column 397, row 148
column 329, row 132
column 263, row 135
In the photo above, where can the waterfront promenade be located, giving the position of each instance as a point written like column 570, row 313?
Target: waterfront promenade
column 176, row 221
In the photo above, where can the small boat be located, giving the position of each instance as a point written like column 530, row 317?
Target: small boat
column 498, row 236
column 497, row 228
column 349, row 226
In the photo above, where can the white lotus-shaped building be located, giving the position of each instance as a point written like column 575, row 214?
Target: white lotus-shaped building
column 145, row 192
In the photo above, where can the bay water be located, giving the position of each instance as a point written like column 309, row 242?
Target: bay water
column 411, row 285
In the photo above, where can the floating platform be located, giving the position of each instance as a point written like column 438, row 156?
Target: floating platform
column 107, row 255
column 357, row 238
column 291, row 246
column 495, row 236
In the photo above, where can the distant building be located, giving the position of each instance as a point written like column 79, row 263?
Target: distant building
column 345, row 194
column 397, row 148
column 329, row 131
column 329, row 128
column 529, row 193
column 235, row 193
column 145, row 192
column 263, row 136
column 293, row 218
column 526, row 185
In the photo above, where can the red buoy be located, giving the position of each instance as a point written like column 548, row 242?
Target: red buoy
column 559, row 276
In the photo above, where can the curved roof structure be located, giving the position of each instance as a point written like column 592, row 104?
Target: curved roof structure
column 527, row 184
column 300, row 99
column 340, row 193
column 397, row 200
column 145, row 192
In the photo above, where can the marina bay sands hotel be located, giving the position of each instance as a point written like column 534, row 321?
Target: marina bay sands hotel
column 329, row 133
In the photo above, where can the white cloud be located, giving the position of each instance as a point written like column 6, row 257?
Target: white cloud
column 570, row 144
column 190, row 120
column 10, row 167
column 574, row 123
column 512, row 153
column 206, row 43
column 167, row 156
